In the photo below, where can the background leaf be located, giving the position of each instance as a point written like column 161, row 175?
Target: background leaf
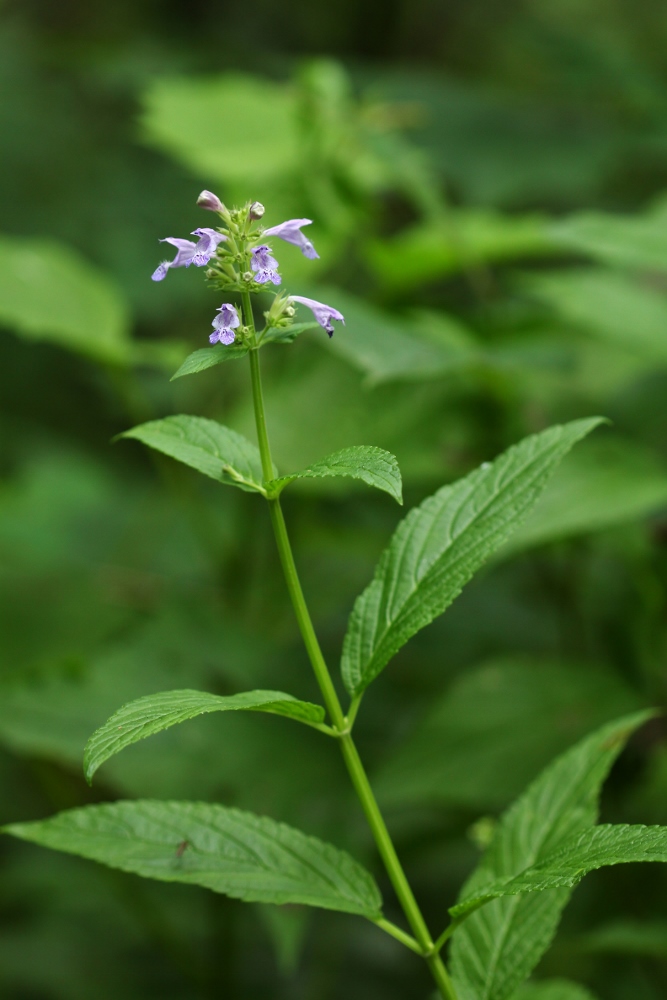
column 500, row 944
column 438, row 547
column 553, row 989
column 495, row 728
column 373, row 466
column 237, row 853
column 603, row 483
column 147, row 716
column 48, row 292
column 207, row 446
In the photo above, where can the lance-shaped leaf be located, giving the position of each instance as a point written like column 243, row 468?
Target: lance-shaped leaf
column 207, row 446
column 438, row 547
column 374, row 466
column 598, row 847
column 288, row 334
column 498, row 946
column 237, row 853
column 207, row 357
column 147, row 716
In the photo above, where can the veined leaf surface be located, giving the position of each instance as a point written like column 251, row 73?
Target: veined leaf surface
column 372, row 465
column 207, row 446
column 207, row 357
column 498, row 946
column 229, row 851
column 598, row 847
column 440, row 544
column 147, row 716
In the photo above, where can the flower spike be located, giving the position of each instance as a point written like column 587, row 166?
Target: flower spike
column 225, row 324
column 290, row 231
column 322, row 313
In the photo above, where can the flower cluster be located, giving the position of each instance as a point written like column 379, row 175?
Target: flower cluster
column 240, row 261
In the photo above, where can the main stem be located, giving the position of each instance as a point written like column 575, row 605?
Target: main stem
column 350, row 754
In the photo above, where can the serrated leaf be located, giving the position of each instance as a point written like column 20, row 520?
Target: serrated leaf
column 553, row 989
column 599, row 847
column 48, row 292
column 372, row 465
column 207, row 357
column 211, row 448
column 440, row 544
column 155, row 712
column 237, row 853
column 498, row 946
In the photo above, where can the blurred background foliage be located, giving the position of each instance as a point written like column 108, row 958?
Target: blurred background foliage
column 489, row 187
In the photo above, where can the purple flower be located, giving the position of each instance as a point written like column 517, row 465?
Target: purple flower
column 323, row 314
column 225, row 324
column 210, row 201
column 290, row 231
column 198, row 253
column 263, row 264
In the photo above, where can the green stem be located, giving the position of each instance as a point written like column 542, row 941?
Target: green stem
column 340, row 723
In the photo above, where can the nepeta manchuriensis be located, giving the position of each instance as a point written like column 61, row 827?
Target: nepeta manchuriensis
column 548, row 839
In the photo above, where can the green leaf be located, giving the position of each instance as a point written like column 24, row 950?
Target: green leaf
column 466, row 238
column 387, row 349
column 207, row 446
column 155, row 712
column 374, row 466
column 629, row 937
column 553, row 989
column 498, row 946
column 609, row 306
column 48, row 292
column 206, row 357
column 440, row 544
column 237, row 853
column 638, row 241
column 598, row 847
column 232, row 127
column 494, row 730
column 603, row 483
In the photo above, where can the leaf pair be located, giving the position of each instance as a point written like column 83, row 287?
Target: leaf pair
column 228, row 457
column 543, row 846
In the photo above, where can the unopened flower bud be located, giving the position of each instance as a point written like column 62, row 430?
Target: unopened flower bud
column 248, row 276
column 256, row 210
column 210, row 201
column 289, row 311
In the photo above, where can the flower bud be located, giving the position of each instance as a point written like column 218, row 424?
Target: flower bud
column 248, row 276
column 289, row 311
column 256, row 210
column 210, row 201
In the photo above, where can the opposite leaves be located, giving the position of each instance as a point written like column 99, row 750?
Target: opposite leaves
column 499, row 945
column 207, row 446
column 373, row 466
column 207, row 357
column 147, row 716
column 237, row 853
column 438, row 547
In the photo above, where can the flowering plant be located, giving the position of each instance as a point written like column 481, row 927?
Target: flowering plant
column 544, row 844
